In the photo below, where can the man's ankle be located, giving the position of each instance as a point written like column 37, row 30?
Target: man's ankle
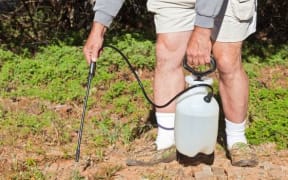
column 235, row 133
column 165, row 135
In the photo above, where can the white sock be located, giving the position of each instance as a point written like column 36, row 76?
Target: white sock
column 235, row 132
column 165, row 136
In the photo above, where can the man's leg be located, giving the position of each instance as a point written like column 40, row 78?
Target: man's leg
column 169, row 77
column 234, row 90
column 168, row 81
column 174, row 22
column 233, row 83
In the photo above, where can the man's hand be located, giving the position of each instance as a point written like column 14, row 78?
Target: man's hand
column 199, row 46
column 94, row 43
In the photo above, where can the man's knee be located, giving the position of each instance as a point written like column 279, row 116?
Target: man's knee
column 169, row 53
column 228, row 65
column 167, row 42
column 228, row 57
column 164, row 63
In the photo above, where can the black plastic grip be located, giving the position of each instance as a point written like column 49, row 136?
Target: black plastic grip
column 200, row 74
column 92, row 68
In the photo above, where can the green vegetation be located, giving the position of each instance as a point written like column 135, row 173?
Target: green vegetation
column 267, row 68
column 57, row 74
column 269, row 118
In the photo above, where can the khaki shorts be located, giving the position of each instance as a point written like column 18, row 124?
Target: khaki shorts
column 235, row 22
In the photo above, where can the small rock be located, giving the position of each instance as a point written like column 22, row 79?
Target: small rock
column 218, row 171
column 206, row 173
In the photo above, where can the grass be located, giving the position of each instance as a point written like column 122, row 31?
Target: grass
column 58, row 75
column 269, row 120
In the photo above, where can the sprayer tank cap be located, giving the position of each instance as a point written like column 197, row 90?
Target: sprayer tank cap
column 192, row 80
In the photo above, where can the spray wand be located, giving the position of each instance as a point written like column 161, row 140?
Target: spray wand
column 90, row 77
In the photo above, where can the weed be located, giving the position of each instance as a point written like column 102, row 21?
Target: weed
column 38, row 77
column 265, row 53
column 269, row 121
column 30, row 162
column 6, row 56
column 127, row 133
column 26, row 170
column 76, row 175
column 108, row 172
column 99, row 154
column 114, row 91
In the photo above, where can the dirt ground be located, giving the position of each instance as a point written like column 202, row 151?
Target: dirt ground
column 55, row 165
column 273, row 165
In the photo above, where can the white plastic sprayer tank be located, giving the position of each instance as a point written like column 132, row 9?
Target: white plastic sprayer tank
column 196, row 121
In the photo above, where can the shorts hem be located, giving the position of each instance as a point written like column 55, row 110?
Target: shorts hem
column 162, row 31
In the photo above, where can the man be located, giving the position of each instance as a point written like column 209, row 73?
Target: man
column 195, row 28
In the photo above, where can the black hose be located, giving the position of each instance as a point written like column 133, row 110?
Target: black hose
column 207, row 98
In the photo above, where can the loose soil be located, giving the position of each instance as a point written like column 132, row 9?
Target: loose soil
column 55, row 163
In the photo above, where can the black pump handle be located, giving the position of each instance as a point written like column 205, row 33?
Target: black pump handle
column 198, row 73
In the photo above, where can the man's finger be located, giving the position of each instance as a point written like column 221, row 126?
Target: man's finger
column 87, row 56
column 195, row 60
column 202, row 61
column 96, row 53
column 207, row 60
